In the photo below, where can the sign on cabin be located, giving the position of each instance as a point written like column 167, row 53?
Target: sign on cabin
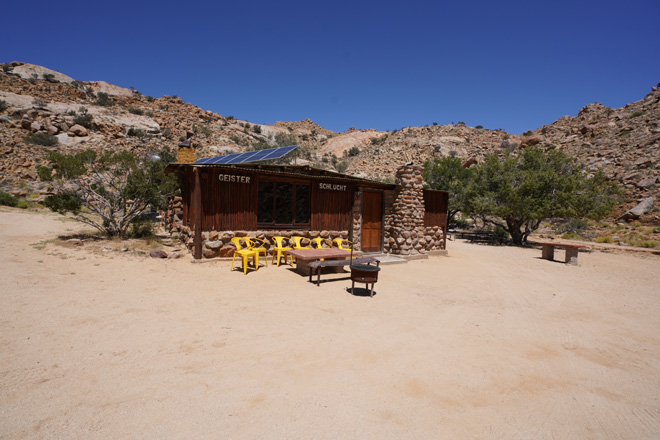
column 233, row 178
column 332, row 186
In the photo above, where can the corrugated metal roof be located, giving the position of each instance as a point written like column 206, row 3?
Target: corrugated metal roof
column 288, row 170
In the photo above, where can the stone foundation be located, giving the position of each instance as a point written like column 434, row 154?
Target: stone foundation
column 218, row 244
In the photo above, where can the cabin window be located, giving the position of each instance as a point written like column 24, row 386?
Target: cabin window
column 282, row 204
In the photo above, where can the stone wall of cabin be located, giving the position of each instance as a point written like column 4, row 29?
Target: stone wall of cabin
column 218, row 243
column 403, row 228
column 357, row 221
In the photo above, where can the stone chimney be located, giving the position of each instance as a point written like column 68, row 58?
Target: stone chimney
column 185, row 153
column 406, row 222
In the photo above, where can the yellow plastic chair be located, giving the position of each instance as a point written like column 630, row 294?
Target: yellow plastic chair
column 319, row 242
column 279, row 249
column 297, row 243
column 257, row 244
column 339, row 242
column 245, row 254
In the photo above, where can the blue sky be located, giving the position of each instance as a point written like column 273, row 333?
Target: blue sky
column 515, row 65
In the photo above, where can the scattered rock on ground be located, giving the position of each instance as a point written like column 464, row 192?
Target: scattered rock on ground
column 158, row 253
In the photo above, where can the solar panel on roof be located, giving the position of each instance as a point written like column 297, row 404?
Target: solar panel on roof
column 249, row 156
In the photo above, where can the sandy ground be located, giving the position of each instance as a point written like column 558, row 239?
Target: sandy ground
column 488, row 343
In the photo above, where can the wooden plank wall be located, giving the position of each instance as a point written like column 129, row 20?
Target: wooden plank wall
column 331, row 209
column 229, row 206
column 436, row 204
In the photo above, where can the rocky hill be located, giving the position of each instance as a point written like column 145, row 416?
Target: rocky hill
column 34, row 100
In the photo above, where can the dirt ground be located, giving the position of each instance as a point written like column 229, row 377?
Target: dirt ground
column 488, row 343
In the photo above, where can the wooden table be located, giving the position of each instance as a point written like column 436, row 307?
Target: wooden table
column 305, row 256
column 548, row 251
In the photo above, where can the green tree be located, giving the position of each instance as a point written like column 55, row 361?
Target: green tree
column 448, row 174
column 108, row 191
column 518, row 192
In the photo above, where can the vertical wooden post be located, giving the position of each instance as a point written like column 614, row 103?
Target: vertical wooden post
column 197, row 239
column 444, row 232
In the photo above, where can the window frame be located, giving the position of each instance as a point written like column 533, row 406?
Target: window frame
column 295, row 183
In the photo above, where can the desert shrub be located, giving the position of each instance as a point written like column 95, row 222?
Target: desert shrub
column 149, row 113
column 63, row 203
column 261, row 144
column 39, row 102
column 201, row 129
column 636, row 114
column 237, row 140
column 341, row 166
column 50, row 78
column 285, row 140
column 3, row 105
column 103, row 99
column 508, row 146
column 575, row 225
column 354, row 151
column 527, row 133
column 256, row 129
column 45, row 139
column 149, row 98
column 501, row 234
column 141, row 227
column 571, row 236
column 7, row 199
column 135, row 111
column 83, row 118
column 479, row 127
column 136, row 132
column 605, row 239
column 6, row 67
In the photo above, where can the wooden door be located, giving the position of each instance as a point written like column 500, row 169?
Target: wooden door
column 372, row 221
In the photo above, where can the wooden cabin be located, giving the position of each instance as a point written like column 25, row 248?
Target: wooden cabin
column 219, row 201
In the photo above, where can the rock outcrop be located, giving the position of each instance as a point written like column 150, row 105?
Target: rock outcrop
column 624, row 143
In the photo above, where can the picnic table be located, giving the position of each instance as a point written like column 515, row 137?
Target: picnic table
column 305, row 256
column 480, row 236
column 548, row 251
column 316, row 266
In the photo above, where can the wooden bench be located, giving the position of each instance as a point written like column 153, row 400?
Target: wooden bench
column 548, row 251
column 315, row 266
